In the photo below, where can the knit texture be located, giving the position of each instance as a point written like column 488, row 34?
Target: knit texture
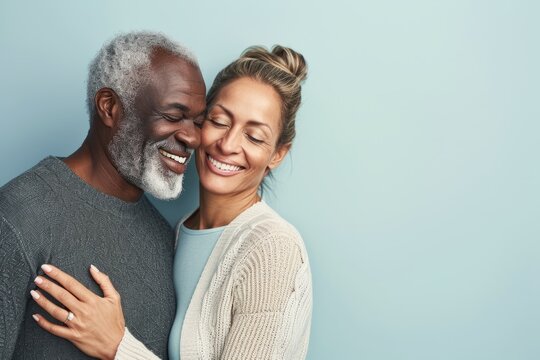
column 254, row 298
column 49, row 215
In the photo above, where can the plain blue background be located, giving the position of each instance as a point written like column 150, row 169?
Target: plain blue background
column 415, row 175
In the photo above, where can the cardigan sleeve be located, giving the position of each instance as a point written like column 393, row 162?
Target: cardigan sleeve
column 270, row 315
column 132, row 349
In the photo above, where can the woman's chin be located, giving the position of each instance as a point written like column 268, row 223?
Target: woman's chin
column 215, row 186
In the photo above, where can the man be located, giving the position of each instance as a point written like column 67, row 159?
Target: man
column 146, row 98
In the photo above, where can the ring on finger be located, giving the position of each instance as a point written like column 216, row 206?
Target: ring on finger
column 69, row 317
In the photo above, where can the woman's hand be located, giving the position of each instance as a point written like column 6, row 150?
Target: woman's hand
column 94, row 324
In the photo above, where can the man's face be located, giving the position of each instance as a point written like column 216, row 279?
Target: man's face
column 159, row 131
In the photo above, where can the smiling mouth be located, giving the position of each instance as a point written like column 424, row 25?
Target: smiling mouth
column 179, row 159
column 224, row 166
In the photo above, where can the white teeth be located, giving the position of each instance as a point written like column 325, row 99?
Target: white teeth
column 178, row 159
column 223, row 166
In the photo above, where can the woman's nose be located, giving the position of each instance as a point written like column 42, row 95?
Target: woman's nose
column 230, row 142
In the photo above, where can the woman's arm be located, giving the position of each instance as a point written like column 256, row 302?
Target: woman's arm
column 130, row 349
column 272, row 303
column 94, row 324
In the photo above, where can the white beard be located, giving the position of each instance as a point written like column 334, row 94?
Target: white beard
column 138, row 160
column 161, row 183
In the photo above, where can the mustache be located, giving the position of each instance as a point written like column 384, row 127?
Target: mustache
column 172, row 146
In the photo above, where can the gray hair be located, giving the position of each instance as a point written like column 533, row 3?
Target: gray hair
column 123, row 64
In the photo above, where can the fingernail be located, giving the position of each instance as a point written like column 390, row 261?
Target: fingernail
column 46, row 268
column 94, row 268
column 34, row 294
column 35, row 317
column 38, row 280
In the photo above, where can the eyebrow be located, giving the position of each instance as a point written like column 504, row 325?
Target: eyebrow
column 250, row 122
column 184, row 108
column 178, row 106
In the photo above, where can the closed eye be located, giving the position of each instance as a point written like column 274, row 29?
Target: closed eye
column 170, row 118
column 217, row 123
column 254, row 139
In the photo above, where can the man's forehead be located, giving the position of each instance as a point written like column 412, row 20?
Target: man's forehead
column 186, row 96
column 179, row 73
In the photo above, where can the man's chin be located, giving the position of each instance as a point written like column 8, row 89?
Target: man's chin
column 163, row 189
column 166, row 197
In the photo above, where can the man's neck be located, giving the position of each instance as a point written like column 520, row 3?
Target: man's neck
column 93, row 166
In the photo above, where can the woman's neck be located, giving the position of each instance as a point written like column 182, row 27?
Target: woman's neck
column 219, row 210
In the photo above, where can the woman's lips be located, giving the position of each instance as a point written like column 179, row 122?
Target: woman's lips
column 222, row 168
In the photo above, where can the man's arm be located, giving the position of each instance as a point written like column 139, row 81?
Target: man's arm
column 15, row 281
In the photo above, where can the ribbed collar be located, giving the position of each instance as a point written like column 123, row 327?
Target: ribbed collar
column 249, row 213
column 244, row 216
column 77, row 187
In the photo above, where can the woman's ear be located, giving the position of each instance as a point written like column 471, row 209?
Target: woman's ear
column 108, row 107
column 278, row 156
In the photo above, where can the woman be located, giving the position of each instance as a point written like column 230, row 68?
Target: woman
column 241, row 272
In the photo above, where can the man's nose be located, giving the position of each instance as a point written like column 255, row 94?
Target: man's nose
column 188, row 133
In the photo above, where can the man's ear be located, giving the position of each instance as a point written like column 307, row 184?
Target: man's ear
column 108, row 107
column 278, row 156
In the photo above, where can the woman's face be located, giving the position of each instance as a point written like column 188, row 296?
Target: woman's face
column 238, row 138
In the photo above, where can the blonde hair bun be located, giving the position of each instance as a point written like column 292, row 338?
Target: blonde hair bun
column 281, row 57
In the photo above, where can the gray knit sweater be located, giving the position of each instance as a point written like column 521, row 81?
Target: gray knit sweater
column 49, row 215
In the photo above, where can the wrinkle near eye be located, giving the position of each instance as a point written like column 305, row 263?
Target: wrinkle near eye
column 258, row 135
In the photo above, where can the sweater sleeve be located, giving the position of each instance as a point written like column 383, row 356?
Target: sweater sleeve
column 132, row 349
column 267, row 310
column 15, row 281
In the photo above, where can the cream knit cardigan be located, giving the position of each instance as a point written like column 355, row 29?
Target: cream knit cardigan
column 253, row 299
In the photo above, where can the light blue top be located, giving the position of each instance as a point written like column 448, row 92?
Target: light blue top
column 193, row 250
